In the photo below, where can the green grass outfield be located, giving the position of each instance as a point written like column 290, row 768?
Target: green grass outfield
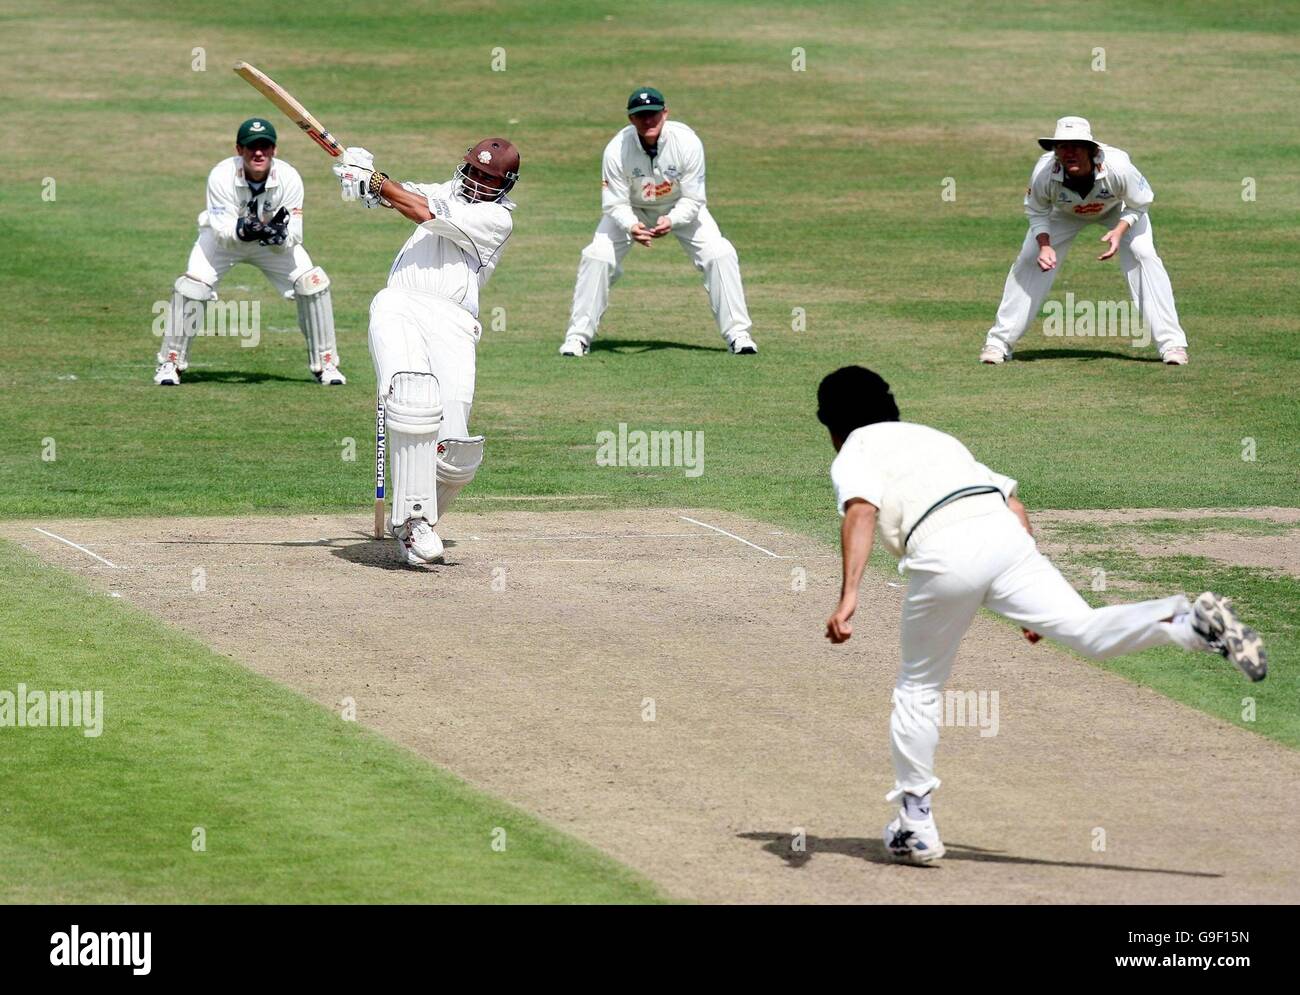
column 828, row 181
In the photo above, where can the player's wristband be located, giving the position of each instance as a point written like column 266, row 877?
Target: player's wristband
column 376, row 184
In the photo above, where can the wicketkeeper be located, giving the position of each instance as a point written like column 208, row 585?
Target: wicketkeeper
column 424, row 327
column 254, row 215
column 964, row 540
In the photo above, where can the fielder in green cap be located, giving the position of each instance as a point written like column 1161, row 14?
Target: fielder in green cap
column 253, row 215
column 652, row 183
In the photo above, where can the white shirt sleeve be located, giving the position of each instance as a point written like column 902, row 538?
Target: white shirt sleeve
column 691, row 183
column 1007, row 485
column 853, row 477
column 223, row 207
column 1038, row 201
column 479, row 229
column 1135, row 190
column 614, row 200
column 293, row 200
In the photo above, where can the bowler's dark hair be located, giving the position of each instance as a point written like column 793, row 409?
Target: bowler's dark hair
column 854, row 396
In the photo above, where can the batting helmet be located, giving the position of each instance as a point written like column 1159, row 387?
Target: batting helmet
column 488, row 171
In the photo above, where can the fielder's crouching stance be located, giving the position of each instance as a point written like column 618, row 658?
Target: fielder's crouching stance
column 424, row 328
column 254, row 215
column 652, row 183
column 964, row 540
column 1077, row 183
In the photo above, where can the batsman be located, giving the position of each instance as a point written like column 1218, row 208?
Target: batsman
column 424, row 327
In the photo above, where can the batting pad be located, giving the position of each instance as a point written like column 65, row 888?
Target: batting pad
column 458, row 461
column 412, row 415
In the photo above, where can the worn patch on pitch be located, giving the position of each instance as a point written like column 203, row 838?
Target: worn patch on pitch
column 656, row 682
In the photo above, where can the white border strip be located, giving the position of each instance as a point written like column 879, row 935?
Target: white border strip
column 732, row 535
column 69, row 542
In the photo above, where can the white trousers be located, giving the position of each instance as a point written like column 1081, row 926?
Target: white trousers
column 424, row 333
column 210, row 260
column 602, row 264
column 992, row 561
column 1027, row 286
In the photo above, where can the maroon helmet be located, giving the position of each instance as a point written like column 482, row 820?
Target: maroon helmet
column 488, row 171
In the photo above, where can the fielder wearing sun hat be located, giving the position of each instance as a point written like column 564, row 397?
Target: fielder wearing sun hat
column 1070, row 129
column 645, row 100
column 253, row 129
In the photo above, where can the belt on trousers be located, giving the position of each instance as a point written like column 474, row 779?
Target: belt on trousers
column 943, row 502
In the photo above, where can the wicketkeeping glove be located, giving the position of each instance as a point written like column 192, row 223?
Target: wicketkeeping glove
column 273, row 231
column 249, row 227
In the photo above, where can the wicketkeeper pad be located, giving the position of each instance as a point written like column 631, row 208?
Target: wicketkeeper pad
column 185, row 318
column 316, row 317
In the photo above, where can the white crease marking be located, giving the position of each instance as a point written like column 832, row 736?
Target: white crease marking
column 733, row 535
column 69, row 542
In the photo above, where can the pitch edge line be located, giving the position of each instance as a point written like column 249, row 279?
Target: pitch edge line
column 706, row 525
column 69, row 542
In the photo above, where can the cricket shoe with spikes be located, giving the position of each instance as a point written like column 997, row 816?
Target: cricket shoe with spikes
column 742, row 344
column 914, row 841
column 575, row 345
column 168, row 373
column 420, row 543
column 330, row 374
column 1215, row 622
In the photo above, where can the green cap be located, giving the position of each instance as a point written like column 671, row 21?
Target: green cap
column 645, row 100
column 253, row 129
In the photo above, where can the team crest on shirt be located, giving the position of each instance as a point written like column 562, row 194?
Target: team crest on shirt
column 1105, row 194
column 672, row 172
column 636, row 171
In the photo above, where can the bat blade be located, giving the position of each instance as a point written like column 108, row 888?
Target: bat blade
column 292, row 109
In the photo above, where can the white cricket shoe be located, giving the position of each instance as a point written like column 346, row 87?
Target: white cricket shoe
column 419, row 542
column 912, row 840
column 575, row 345
column 993, row 355
column 330, row 376
column 742, row 344
column 1214, row 621
column 168, row 373
column 1174, row 357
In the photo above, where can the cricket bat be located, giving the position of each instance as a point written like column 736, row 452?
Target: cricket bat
column 295, row 111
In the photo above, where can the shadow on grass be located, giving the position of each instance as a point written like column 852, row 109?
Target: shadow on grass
column 873, row 850
column 1030, row 355
column 240, row 376
column 648, row 345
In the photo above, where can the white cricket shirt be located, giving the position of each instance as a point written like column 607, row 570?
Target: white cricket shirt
column 670, row 182
column 904, row 469
column 1119, row 192
column 229, row 194
column 453, row 254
